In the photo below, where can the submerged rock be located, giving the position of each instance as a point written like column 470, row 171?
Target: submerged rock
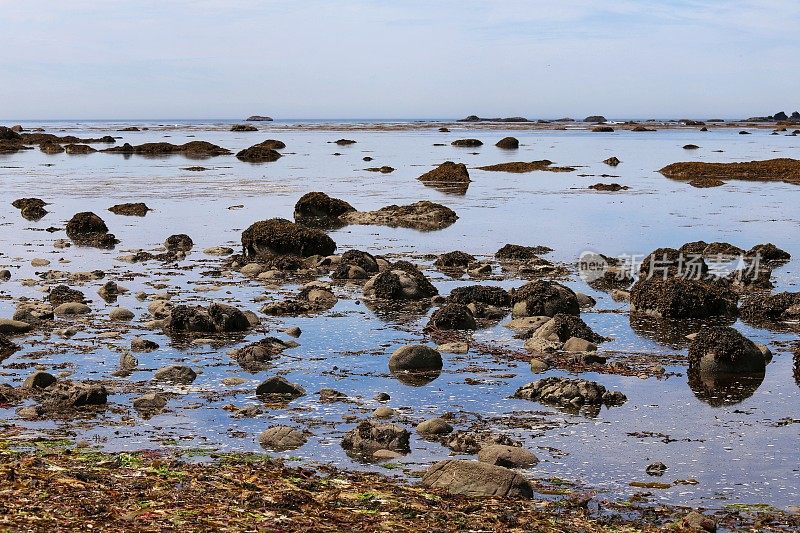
column 422, row 216
column 782, row 169
column 476, row 479
column 567, row 392
column 279, row 236
column 138, row 209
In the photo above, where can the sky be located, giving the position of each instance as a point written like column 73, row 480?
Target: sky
column 398, row 59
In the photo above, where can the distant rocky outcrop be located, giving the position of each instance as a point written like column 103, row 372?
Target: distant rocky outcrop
column 259, row 118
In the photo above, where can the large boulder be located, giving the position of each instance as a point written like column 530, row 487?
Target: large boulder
column 257, row 355
column 676, row 297
column 371, row 436
column 177, row 374
column 452, row 316
column 402, row 281
column 720, row 350
column 279, row 236
column 446, row 173
column 508, row 143
column 88, row 229
column 544, row 298
column 318, row 207
column 422, row 216
column 415, row 358
column 355, row 264
column 496, row 296
column 780, row 310
column 216, row 318
column 567, row 392
column 282, row 438
column 507, row 456
column 473, row 478
column 279, row 388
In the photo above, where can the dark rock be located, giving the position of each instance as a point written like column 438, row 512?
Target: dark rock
column 39, row 380
column 383, row 170
column 603, row 129
column 149, row 403
column 259, row 118
column 476, row 479
column 318, row 207
column 769, row 252
column 179, row 243
column 609, row 187
column 402, row 281
column 468, row 143
column 243, row 127
column 508, row 143
column 178, row 374
column 612, row 161
column 51, row 148
column 544, row 298
column 355, row 264
column 7, row 348
column 683, row 298
column 516, row 252
column 257, row 355
column 721, row 350
column 138, row 209
column 422, row 216
column 772, row 310
column 496, row 296
column 567, row 392
column 454, row 260
column 88, row 229
column 345, row 142
column 259, row 153
column 279, row 388
column 563, row 327
column 216, row 318
column 279, row 236
column 79, row 149
column 415, row 358
column 61, row 294
column 193, row 149
column 452, row 316
column 447, row 173
column 370, row 436
column 143, row 345
column 595, row 118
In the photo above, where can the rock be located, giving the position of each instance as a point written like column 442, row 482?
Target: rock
column 603, row 129
column 656, row 469
column 453, row 347
column 259, row 118
column 79, row 149
column 612, row 161
column 370, row 436
column 675, row 297
column 179, row 243
column 609, row 187
column 467, row 143
column 384, row 412
column 447, row 173
column 72, row 309
column 5, row 275
column 567, row 392
column 216, row 318
column 595, row 118
column 88, row 229
column 259, row 153
column 541, row 297
column 507, row 456
column 508, row 143
column 160, row 309
column 476, row 479
column 150, row 402
column 64, row 396
column 452, row 316
column 218, row 250
column 278, row 236
column 14, row 327
column 434, row 427
column 722, row 350
column 279, row 387
column 293, row 331
column 695, row 521
column 422, row 216
column 355, row 264
column 138, row 209
column 282, row 438
column 7, row 348
column 243, row 128
column 127, row 362
column 39, row 380
column 32, row 312
column 769, row 252
column 454, row 261
column 121, row 313
column 538, row 366
column 783, row 169
column 319, row 208
column 331, row 396
column 62, row 294
column 415, row 358
column 345, row 142
column 382, row 397
column 575, row 344
column 401, row 282
column 519, row 167
column 772, row 310
column 143, row 345
column 110, row 291
column 496, row 296
column 584, row 300
column 257, row 355
column 177, row 374
column 191, row 149
column 383, row 170
column 562, row 327
column 515, row 252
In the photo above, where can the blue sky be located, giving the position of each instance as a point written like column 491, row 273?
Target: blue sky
column 413, row 58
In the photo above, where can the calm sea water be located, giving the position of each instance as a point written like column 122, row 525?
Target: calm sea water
column 738, row 453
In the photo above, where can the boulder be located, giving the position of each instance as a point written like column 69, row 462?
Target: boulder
column 508, row 143
column 507, row 456
column 612, row 161
column 496, row 296
column 567, row 392
column 422, row 216
column 150, row 402
column 318, row 207
column 415, row 358
column 721, row 350
column 7, row 348
column 72, row 309
column 562, row 327
column 370, row 436
column 402, row 281
column 257, row 355
column 447, row 172
column 62, row 294
column 177, row 374
column 179, row 243
column 467, row 143
column 772, row 310
column 138, row 209
column 456, row 260
column 88, row 229
column 39, row 380
column 243, row 127
column 63, row 396
column 258, row 154
column 193, row 149
column 452, row 316
column 476, row 479
column 279, row 388
column 355, row 264
column 675, row 297
column 281, row 438
column 139, row 344
column 544, row 298
column 434, row 427
column 769, row 253
column 279, row 236
column 216, row 318
column 516, row 252
column 121, row 314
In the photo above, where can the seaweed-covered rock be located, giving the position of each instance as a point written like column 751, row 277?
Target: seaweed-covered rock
column 279, row 236
column 612, row 161
column 258, row 153
column 422, row 216
column 279, row 388
column 195, row 149
column 243, row 128
column 508, row 143
column 516, row 252
column 88, row 229
column 371, row 436
column 447, row 172
column 257, row 355
column 675, row 297
column 452, row 316
column 402, row 281
column 62, row 294
column 355, row 264
column 179, row 243
column 318, row 206
column 476, row 479
column 467, row 143
column 569, row 392
column 544, row 298
column 137, row 209
column 772, row 310
column 782, row 169
column 79, row 149
column 216, row 318
column 769, row 253
column 456, row 260
column 723, row 350
column 177, row 374
column 496, row 296
column 562, row 327
column 7, row 348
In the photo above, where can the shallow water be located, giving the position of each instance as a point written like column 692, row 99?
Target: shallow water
column 737, row 452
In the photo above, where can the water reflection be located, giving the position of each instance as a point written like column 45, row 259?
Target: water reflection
column 670, row 332
column 724, row 390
